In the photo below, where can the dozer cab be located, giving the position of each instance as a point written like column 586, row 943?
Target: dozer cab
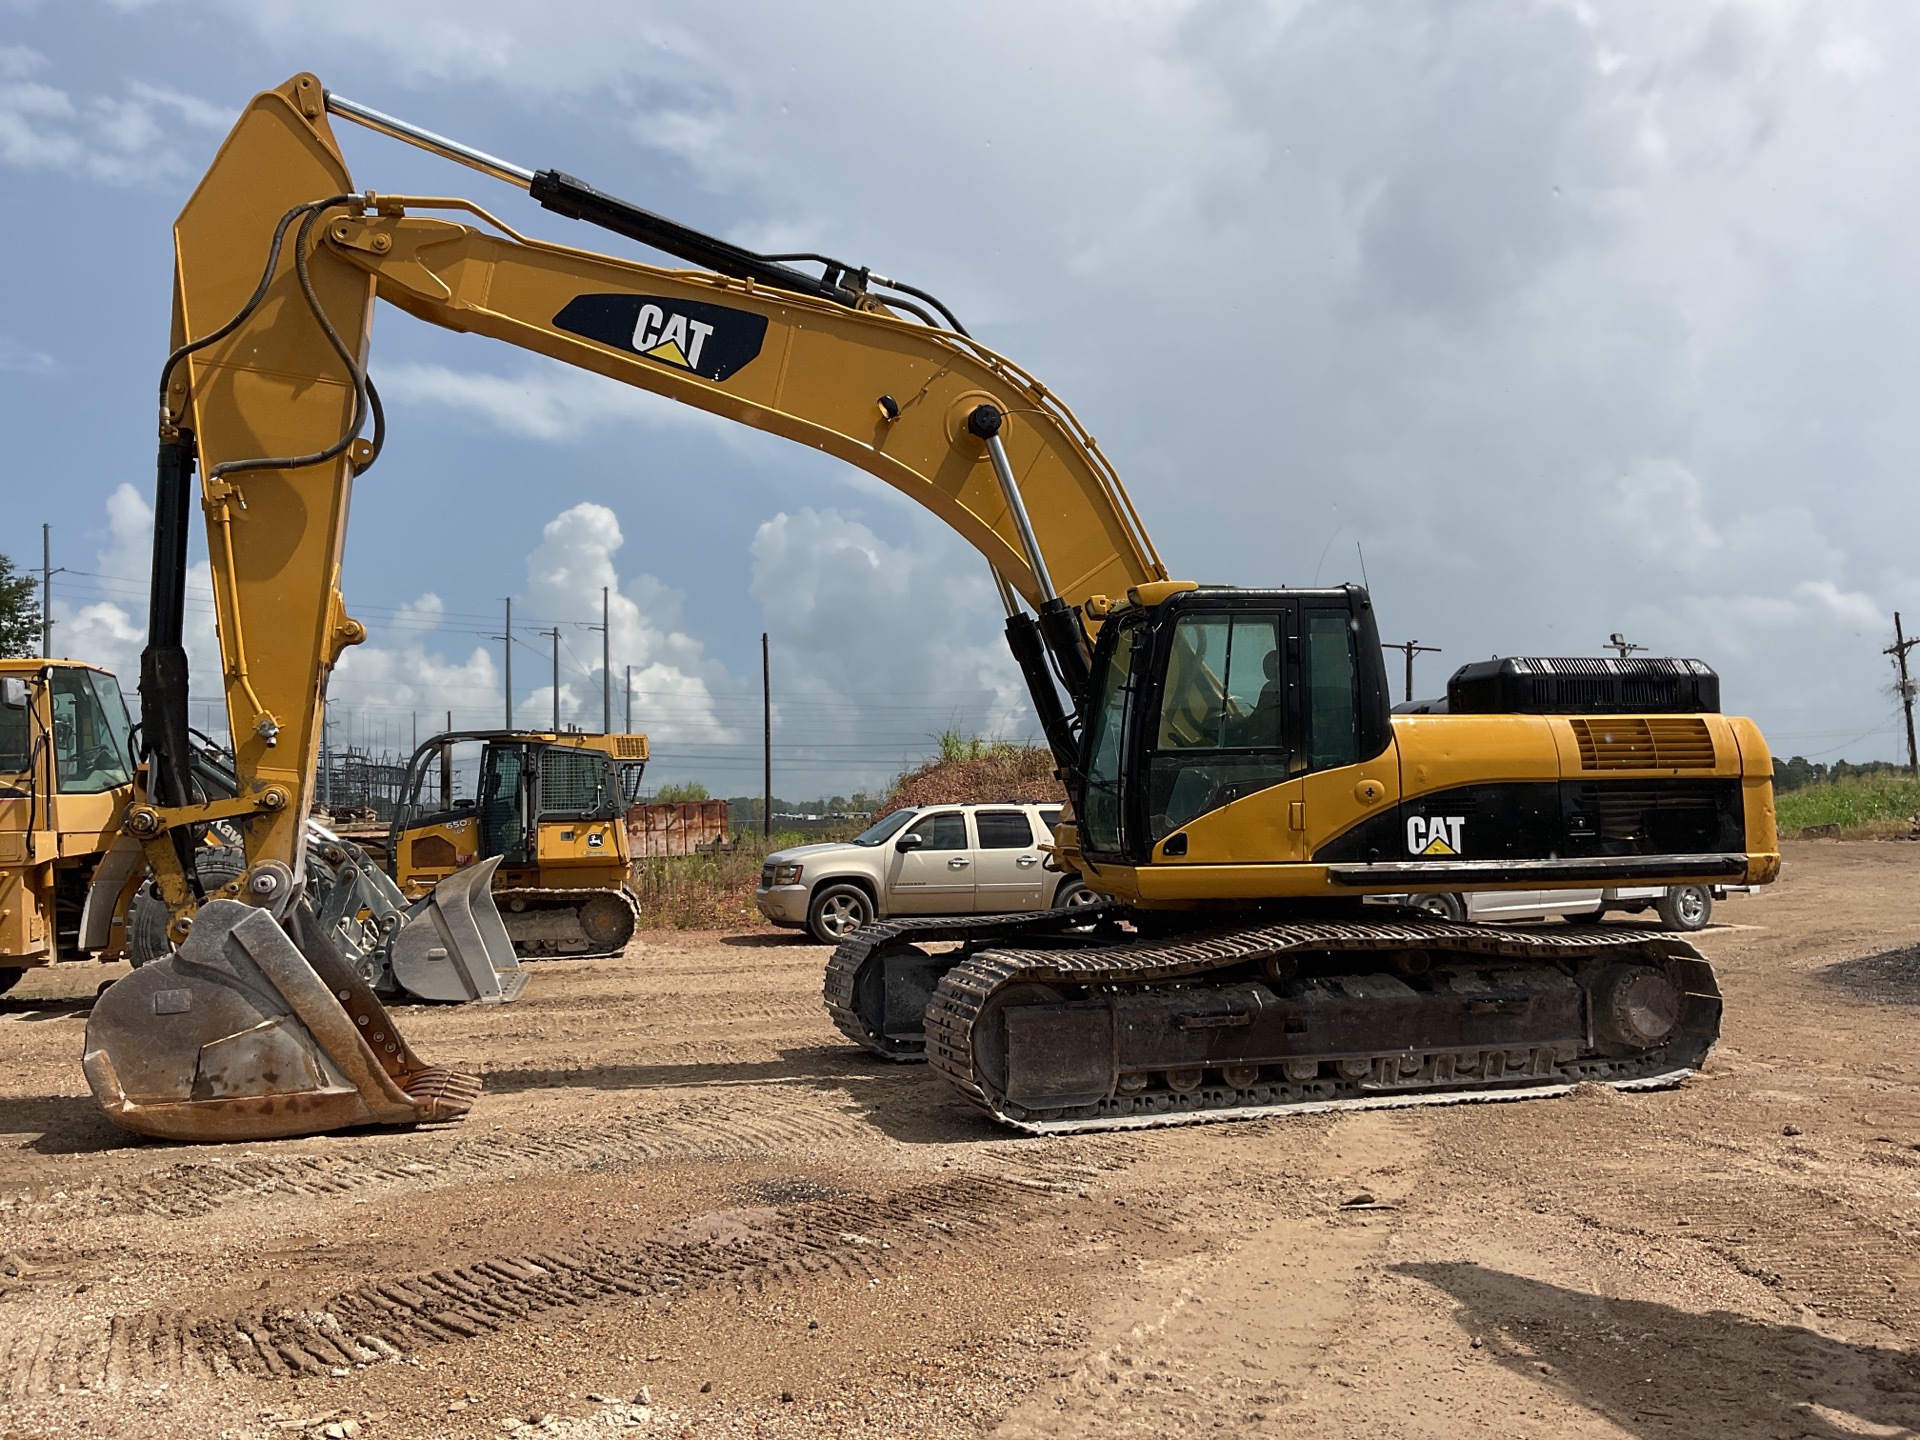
column 1237, row 784
column 551, row 808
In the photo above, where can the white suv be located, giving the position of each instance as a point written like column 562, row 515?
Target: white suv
column 931, row 860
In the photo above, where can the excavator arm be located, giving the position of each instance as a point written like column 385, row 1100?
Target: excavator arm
column 279, row 259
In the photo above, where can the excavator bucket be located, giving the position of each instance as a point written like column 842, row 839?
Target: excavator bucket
column 250, row 1032
column 454, row 946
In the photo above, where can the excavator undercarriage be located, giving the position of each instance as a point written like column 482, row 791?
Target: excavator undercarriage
column 1050, row 1030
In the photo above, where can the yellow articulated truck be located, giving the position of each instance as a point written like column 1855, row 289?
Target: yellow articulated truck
column 551, row 807
column 65, row 778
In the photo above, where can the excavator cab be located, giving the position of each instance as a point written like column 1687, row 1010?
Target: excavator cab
column 1215, row 695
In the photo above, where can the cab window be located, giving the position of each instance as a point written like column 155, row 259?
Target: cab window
column 1004, row 829
column 1332, row 711
column 946, row 831
column 1221, row 731
column 16, row 739
column 89, row 732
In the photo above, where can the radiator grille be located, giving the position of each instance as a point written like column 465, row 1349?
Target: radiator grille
column 1632, row 743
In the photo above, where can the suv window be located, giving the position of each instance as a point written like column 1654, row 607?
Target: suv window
column 1050, row 818
column 1003, row 829
column 946, row 831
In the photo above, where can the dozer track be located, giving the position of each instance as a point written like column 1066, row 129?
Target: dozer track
column 1247, row 1022
column 548, row 922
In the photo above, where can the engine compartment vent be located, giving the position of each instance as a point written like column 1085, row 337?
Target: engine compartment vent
column 1584, row 685
column 1631, row 743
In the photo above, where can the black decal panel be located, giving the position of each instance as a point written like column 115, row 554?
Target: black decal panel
column 1539, row 820
column 711, row 341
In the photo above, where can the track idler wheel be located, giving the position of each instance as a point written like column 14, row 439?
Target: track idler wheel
column 1635, row 1008
column 607, row 920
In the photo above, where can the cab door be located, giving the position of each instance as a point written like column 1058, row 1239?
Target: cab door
column 932, row 869
column 1340, row 791
column 1007, row 870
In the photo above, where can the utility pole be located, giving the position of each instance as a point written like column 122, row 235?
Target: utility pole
column 555, row 633
column 416, row 731
column 1412, row 648
column 47, row 572
column 1626, row 647
column 606, row 667
column 1899, row 650
column 766, row 752
column 629, row 699
column 507, row 722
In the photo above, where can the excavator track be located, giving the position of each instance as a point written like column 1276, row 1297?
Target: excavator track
column 545, row 922
column 879, row 1006
column 1244, row 1023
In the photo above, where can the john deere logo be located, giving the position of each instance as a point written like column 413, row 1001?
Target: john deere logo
column 711, row 341
column 1434, row 834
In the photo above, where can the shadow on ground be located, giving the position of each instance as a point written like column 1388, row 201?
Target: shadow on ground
column 907, row 1103
column 1657, row 1371
column 769, row 939
column 1890, row 978
column 64, row 1125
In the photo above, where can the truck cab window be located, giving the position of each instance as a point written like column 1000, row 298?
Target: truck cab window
column 16, row 740
column 89, row 733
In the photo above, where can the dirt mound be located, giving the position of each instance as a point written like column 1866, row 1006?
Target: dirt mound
column 997, row 774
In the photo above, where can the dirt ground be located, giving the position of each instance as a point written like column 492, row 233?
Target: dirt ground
column 683, row 1207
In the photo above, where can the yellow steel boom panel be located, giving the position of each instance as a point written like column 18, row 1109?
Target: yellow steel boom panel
column 882, row 393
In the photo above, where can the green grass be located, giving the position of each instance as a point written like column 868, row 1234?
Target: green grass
column 1860, row 806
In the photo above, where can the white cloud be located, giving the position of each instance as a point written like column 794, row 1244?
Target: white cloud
column 894, row 643
column 119, row 139
column 544, row 400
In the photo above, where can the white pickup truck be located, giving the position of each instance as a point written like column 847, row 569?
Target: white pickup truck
column 928, row 860
column 1680, row 907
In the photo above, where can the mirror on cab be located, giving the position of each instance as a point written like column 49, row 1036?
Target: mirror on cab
column 13, row 692
column 912, row 840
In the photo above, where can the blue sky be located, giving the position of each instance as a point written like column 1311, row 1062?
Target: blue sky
column 1577, row 318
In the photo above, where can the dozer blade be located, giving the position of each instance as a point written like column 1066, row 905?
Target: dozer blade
column 243, row 1035
column 454, row 947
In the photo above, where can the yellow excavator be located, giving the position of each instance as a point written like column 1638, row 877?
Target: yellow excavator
column 551, row 807
column 1238, row 783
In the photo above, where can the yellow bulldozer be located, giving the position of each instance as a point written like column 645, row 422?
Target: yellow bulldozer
column 1238, row 783
column 551, row 808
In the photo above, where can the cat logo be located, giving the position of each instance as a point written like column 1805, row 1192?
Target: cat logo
column 1434, row 834
column 711, row 341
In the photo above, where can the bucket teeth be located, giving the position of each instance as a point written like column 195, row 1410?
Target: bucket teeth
column 441, row 1094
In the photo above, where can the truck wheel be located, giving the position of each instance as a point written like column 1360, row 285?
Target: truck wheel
column 1446, row 907
column 9, row 978
column 836, row 911
column 1074, row 895
column 1685, row 908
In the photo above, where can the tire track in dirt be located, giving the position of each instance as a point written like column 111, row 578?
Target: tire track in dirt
column 1816, row 1247
column 851, row 1238
column 195, row 1187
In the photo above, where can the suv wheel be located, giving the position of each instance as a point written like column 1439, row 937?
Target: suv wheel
column 836, row 911
column 1444, row 907
column 1685, row 908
